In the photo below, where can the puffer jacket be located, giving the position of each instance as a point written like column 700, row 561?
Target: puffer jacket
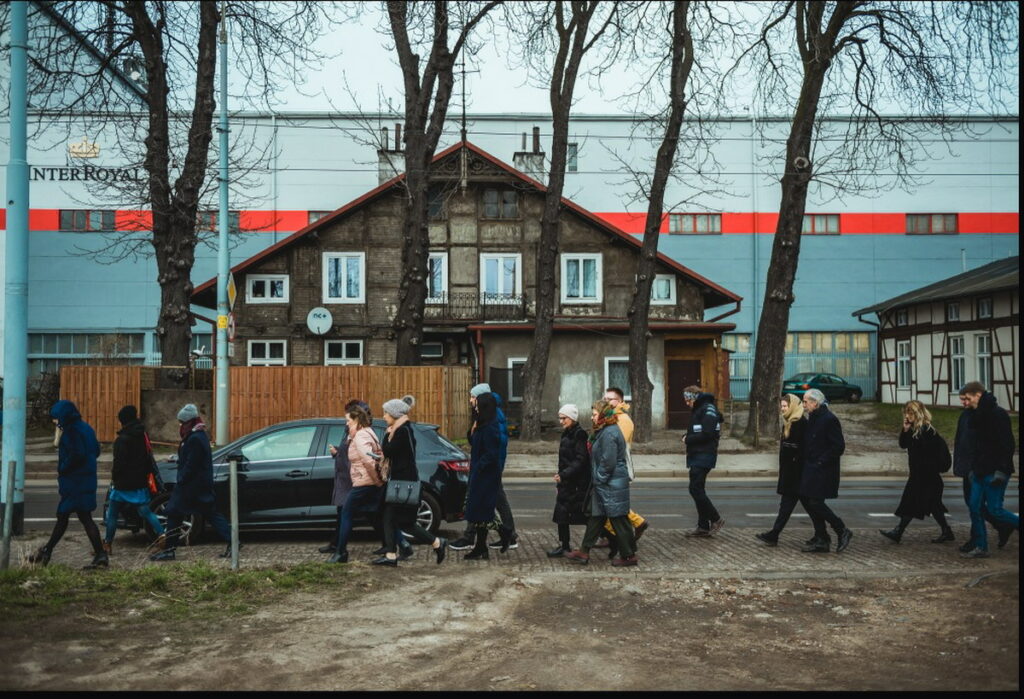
column 77, row 451
column 609, row 473
column 363, row 468
column 705, row 431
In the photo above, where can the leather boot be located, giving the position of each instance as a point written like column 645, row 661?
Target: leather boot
column 893, row 535
column 108, row 547
column 480, row 548
column 945, row 535
column 100, row 560
column 41, row 556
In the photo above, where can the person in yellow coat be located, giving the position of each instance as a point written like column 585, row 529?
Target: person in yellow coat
column 615, row 398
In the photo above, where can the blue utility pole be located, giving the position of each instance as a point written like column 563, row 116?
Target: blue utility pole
column 16, row 282
column 223, row 259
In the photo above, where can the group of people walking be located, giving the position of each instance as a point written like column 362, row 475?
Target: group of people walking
column 378, row 478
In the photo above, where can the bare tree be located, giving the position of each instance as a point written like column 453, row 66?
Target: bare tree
column 153, row 80
column 428, row 90
column 865, row 60
column 563, row 32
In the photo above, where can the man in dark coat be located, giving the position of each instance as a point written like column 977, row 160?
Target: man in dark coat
column 193, row 493
column 964, row 450
column 701, row 455
column 993, row 466
column 823, row 445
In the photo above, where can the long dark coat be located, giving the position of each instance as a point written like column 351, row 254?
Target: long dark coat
column 609, row 473
column 342, row 473
column 927, row 454
column 76, row 459
column 823, row 445
column 964, row 445
column 994, row 435
column 485, row 468
column 193, row 493
column 399, row 448
column 574, row 472
column 791, row 456
column 132, row 462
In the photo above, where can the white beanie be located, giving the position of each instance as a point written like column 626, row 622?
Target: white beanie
column 396, row 407
column 189, row 412
column 570, row 411
column 480, row 389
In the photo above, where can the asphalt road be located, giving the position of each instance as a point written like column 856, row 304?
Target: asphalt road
column 744, row 502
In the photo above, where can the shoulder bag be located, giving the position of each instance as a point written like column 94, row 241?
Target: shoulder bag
column 403, row 493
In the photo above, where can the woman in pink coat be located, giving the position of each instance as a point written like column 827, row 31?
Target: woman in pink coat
column 366, row 479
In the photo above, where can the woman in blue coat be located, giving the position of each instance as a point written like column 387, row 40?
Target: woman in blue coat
column 485, row 466
column 77, row 450
column 609, row 497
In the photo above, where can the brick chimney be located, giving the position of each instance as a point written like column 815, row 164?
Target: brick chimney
column 531, row 162
column 390, row 161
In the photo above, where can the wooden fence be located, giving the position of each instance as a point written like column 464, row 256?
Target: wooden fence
column 262, row 396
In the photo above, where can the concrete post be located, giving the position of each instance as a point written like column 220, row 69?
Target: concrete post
column 223, row 256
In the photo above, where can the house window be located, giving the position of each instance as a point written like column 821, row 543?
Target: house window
column 342, row 352
column 571, row 154
column 985, row 307
column 501, row 203
column 432, row 350
column 901, row 317
column 268, row 352
column 739, row 368
column 501, row 277
column 821, row 224
column 924, row 224
column 957, row 363
column 266, row 288
column 86, row 220
column 437, row 277
column 315, row 216
column 581, row 278
column 344, row 277
column 515, row 378
column 48, row 352
column 663, row 290
column 435, row 204
column 983, row 343
column 861, row 343
column 952, row 312
column 209, row 221
column 737, row 342
column 695, row 224
column 616, row 373
column 903, row 375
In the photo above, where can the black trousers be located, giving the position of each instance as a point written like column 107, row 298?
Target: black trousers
column 508, row 525
column 625, row 541
column 91, row 530
column 393, row 531
column 821, row 513
column 786, row 506
column 706, row 512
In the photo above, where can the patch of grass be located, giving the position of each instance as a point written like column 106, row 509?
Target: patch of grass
column 888, row 417
column 179, row 592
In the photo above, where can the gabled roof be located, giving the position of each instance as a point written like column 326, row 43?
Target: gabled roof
column 714, row 295
column 995, row 276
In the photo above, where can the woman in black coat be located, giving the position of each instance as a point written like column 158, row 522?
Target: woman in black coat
column 572, row 479
column 790, row 465
column 399, row 448
column 928, row 456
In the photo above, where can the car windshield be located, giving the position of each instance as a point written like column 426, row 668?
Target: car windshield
column 801, row 377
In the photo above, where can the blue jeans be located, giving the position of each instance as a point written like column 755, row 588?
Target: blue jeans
column 985, row 495
column 114, row 508
column 359, row 499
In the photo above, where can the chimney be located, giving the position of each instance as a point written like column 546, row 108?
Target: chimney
column 536, row 139
column 398, row 137
column 390, row 163
column 531, row 162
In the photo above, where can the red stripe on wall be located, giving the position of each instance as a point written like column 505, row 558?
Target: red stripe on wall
column 133, row 220
column 990, row 223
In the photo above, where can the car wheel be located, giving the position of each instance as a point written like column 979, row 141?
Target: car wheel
column 428, row 515
column 854, row 396
column 191, row 526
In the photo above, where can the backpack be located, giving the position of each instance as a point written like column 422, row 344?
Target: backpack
column 629, row 465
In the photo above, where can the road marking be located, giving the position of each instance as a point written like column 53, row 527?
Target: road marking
column 40, row 519
column 880, row 514
column 775, row 514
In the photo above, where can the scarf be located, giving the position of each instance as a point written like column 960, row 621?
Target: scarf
column 186, row 428
column 609, row 417
column 794, row 412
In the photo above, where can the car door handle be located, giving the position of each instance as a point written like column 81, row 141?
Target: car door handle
column 296, row 474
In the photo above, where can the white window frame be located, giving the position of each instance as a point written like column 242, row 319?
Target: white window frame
column 671, row 300
column 957, row 363
column 985, row 307
column 904, row 365
column 518, row 291
column 984, row 359
column 952, row 311
column 425, row 345
column 902, row 317
column 327, row 256
column 510, row 363
column 443, row 256
column 343, row 362
column 580, row 257
column 267, row 362
column 607, row 378
column 250, row 278
column 572, row 151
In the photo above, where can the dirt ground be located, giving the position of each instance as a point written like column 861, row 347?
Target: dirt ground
column 449, row 628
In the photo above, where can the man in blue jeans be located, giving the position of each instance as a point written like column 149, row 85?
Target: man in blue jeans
column 993, row 466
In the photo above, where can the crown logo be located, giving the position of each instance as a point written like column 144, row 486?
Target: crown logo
column 84, row 149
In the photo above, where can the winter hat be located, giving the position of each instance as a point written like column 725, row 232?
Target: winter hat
column 189, row 412
column 127, row 414
column 396, row 408
column 480, row 389
column 570, row 411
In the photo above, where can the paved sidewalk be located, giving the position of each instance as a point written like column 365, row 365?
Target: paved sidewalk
column 732, row 553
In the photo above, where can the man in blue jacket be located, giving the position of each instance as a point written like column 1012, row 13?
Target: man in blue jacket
column 701, row 455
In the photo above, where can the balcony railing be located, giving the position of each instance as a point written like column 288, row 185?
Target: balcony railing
column 471, row 306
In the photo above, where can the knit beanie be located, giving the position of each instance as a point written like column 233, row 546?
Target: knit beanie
column 396, row 407
column 480, row 389
column 189, row 412
column 570, row 411
column 127, row 414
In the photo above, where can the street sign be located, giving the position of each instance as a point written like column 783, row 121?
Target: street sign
column 232, row 291
column 231, row 327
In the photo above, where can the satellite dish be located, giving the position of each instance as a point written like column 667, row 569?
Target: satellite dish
column 319, row 320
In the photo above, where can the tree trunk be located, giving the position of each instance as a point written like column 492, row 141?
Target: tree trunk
column 639, row 310
column 412, row 294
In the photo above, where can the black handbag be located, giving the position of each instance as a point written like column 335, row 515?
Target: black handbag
column 405, row 493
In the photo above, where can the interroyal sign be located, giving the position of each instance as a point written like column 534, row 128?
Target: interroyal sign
column 86, row 173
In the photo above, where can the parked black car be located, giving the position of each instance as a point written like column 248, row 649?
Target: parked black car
column 832, row 386
column 286, row 477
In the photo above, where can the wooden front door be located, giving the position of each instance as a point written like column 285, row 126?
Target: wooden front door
column 681, row 373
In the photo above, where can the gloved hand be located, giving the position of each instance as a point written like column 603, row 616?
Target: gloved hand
column 998, row 478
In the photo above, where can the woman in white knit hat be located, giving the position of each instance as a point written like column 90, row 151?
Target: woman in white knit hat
column 572, row 479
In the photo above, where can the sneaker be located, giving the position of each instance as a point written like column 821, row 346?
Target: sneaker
column 769, row 538
column 577, row 557
column 620, row 562
column 559, row 551
column 966, row 546
column 844, row 539
column 698, row 532
column 514, row 544
column 716, row 525
column 461, row 544
column 639, row 531
column 976, row 552
column 165, row 555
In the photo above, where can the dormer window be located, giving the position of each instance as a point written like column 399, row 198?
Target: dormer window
column 501, row 203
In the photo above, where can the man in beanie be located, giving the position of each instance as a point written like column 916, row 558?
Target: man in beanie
column 129, row 477
column 508, row 524
column 193, row 493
